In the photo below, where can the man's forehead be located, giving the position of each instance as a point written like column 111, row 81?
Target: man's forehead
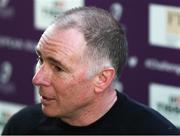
column 69, row 36
column 51, row 31
column 64, row 39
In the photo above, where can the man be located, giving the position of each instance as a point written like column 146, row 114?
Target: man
column 79, row 57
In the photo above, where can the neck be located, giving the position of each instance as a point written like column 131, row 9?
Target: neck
column 95, row 111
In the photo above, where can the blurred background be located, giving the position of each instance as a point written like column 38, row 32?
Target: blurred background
column 152, row 74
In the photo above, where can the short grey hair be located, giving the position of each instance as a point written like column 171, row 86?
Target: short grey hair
column 105, row 37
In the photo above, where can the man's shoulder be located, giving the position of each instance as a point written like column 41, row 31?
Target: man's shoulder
column 141, row 117
column 28, row 112
column 24, row 120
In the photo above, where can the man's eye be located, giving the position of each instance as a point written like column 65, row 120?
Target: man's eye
column 58, row 68
column 40, row 60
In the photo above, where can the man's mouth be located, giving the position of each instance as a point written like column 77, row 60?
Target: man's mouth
column 47, row 100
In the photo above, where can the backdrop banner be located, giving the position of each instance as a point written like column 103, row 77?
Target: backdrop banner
column 152, row 73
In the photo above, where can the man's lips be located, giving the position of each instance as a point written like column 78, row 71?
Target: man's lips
column 45, row 100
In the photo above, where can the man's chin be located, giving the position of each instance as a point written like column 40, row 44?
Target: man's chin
column 48, row 111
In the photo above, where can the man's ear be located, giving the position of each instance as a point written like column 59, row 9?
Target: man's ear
column 104, row 79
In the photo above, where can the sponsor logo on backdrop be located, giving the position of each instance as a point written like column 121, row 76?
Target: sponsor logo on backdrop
column 17, row 43
column 37, row 98
column 173, row 19
column 46, row 10
column 6, row 11
column 3, row 3
column 118, row 85
column 6, row 111
column 166, row 100
column 6, row 85
column 116, row 10
column 164, row 26
column 133, row 61
column 162, row 66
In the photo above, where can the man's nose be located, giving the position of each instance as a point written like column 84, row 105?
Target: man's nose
column 41, row 76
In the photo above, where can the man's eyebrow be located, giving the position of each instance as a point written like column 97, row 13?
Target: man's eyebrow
column 52, row 60
column 56, row 62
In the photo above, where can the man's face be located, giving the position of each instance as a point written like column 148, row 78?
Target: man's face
column 61, row 73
